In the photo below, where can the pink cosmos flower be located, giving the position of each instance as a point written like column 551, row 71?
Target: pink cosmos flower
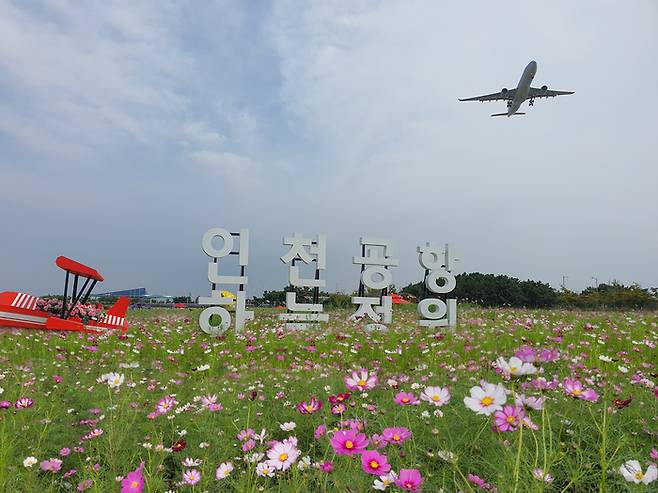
column 327, row 466
column 406, row 399
column 348, row 442
column 339, row 408
column 191, row 476
column 52, row 465
column 313, row 405
column 338, row 398
column 361, row 380
column 84, row 485
column 64, row 452
column 5, row 404
column 245, row 434
column 320, row 431
column 574, row 388
column 509, row 418
column 409, row 479
column 396, row 436
column 478, row 481
column 378, row 441
column 653, row 454
column 166, row 404
column 374, row 463
column 547, row 355
column 134, row 481
column 526, row 354
column 23, row 403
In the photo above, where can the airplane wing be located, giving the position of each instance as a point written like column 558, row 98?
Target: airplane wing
column 506, row 94
column 544, row 92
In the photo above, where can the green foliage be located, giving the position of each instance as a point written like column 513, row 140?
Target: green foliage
column 500, row 290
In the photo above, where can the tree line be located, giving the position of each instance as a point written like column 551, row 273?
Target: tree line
column 493, row 290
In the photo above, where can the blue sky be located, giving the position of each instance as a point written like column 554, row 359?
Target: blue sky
column 129, row 128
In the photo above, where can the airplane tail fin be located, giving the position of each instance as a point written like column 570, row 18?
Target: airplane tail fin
column 120, row 308
column 116, row 316
column 505, row 114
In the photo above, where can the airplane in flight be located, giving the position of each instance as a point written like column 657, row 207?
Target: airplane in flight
column 515, row 97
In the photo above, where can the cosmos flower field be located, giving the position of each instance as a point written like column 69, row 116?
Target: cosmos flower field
column 510, row 401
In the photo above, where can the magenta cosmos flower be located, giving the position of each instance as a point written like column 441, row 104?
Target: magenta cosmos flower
column 396, row 436
column 574, row 388
column 166, row 404
column 348, row 442
column 52, row 465
column 509, row 418
column 374, row 463
column 361, row 380
column 134, row 481
column 406, row 399
column 23, row 403
column 409, row 479
column 313, row 405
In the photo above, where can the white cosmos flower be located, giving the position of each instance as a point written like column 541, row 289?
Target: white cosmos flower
column 291, row 425
column 30, row 461
column 632, row 471
column 515, row 367
column 265, row 469
column 437, row 396
column 114, row 380
column 605, row 358
column 385, row 481
column 224, row 470
column 486, row 399
column 282, row 455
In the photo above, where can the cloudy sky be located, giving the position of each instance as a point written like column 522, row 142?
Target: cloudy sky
column 129, row 128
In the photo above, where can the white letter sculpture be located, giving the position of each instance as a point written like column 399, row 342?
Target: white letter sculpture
column 304, row 249
column 375, row 274
column 216, row 298
column 443, row 314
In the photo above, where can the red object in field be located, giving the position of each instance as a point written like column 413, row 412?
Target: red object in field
column 396, row 299
column 20, row 309
column 77, row 268
column 180, row 305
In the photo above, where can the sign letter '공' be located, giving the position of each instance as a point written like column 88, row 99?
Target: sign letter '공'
column 220, row 302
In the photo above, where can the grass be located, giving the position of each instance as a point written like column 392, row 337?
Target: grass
column 260, row 376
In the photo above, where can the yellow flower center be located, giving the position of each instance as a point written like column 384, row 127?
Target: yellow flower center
column 374, row 464
column 511, row 419
column 349, row 445
column 396, row 438
column 405, row 399
column 436, row 398
column 283, row 457
column 513, row 369
column 309, row 407
column 134, row 484
column 576, row 391
column 487, row 401
column 361, row 383
column 639, row 475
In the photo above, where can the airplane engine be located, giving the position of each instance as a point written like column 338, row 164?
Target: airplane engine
column 504, row 90
column 544, row 88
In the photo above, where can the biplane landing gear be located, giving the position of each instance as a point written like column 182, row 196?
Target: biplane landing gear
column 532, row 102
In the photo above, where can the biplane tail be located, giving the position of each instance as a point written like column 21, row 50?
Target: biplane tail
column 116, row 316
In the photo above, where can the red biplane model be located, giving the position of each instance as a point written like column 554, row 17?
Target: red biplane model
column 24, row 311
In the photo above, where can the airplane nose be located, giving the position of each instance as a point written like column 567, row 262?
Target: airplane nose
column 533, row 64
